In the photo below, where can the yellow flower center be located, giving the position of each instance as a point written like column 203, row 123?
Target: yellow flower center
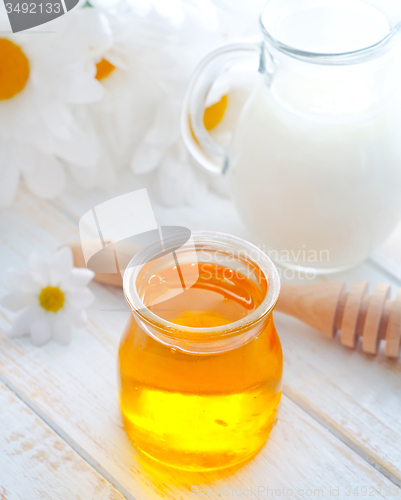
column 214, row 113
column 14, row 69
column 103, row 69
column 51, row 298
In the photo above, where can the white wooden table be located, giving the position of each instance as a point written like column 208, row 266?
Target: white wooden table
column 61, row 435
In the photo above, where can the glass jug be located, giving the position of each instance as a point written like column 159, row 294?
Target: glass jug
column 315, row 160
column 200, row 362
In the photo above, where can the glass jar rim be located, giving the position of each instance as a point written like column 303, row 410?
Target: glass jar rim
column 219, row 240
column 332, row 59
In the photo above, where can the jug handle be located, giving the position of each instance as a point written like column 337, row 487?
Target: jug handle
column 206, row 151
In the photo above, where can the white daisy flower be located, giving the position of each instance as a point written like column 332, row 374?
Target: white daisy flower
column 144, row 76
column 50, row 298
column 128, row 101
column 42, row 77
column 169, row 64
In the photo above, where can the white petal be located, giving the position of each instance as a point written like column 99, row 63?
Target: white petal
column 165, row 128
column 85, row 177
column 82, row 88
column 220, row 88
column 170, row 9
column 118, row 57
column 58, row 119
column 61, row 329
column 47, row 179
column 178, row 182
column 21, row 280
column 78, row 279
column 16, row 301
column 170, row 183
column 204, row 12
column 81, row 298
column 77, row 317
column 23, row 321
column 9, row 175
column 39, row 267
column 196, row 186
column 61, row 266
column 41, row 330
column 23, row 157
column 83, row 149
column 146, row 158
column 94, row 33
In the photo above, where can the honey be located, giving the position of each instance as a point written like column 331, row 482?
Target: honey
column 191, row 407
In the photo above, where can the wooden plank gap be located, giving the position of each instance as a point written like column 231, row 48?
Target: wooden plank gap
column 67, row 439
column 341, row 436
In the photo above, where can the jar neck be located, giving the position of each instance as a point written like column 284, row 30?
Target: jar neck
column 203, row 247
column 184, row 341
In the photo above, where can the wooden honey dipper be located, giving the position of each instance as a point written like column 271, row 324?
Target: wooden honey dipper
column 328, row 308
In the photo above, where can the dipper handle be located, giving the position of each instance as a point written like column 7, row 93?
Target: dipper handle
column 329, row 308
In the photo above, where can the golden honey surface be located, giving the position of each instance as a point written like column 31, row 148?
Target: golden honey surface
column 201, row 411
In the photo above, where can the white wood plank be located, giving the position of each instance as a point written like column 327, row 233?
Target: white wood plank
column 299, row 455
column 355, row 394
column 74, row 388
column 36, row 464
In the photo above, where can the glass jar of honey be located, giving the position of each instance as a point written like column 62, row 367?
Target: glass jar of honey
column 200, row 362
